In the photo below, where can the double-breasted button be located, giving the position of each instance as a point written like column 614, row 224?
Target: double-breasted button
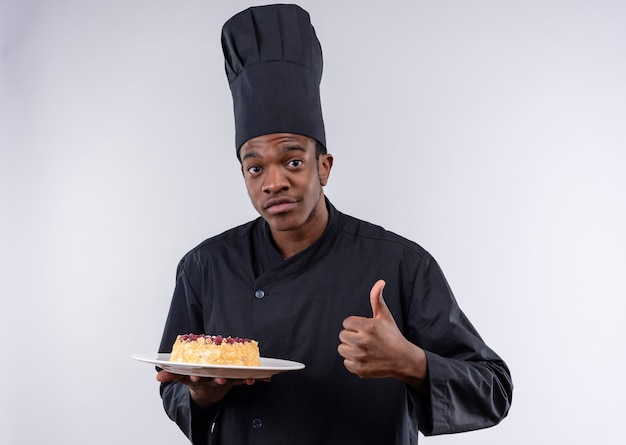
column 256, row 423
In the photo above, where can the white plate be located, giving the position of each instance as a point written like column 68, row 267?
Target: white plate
column 268, row 368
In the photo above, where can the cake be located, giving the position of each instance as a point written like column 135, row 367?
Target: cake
column 215, row 350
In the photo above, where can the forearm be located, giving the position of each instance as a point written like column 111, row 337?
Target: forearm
column 193, row 420
column 177, row 405
column 412, row 368
column 465, row 395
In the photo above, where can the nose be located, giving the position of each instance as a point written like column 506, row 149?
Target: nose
column 274, row 180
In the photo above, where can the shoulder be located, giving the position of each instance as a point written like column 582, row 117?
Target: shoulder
column 378, row 236
column 229, row 241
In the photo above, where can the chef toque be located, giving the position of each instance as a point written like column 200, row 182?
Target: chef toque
column 274, row 64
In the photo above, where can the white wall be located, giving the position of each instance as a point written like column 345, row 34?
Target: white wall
column 492, row 133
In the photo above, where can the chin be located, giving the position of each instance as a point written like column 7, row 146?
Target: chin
column 283, row 222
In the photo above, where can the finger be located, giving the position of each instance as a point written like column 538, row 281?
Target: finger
column 164, row 376
column 351, row 338
column 198, row 378
column 353, row 367
column 354, row 323
column 379, row 307
column 347, row 351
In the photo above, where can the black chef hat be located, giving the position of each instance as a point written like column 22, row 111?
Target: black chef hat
column 274, row 67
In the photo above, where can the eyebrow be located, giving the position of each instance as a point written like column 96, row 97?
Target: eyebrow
column 285, row 149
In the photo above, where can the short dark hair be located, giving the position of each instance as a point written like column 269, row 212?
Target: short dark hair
column 320, row 149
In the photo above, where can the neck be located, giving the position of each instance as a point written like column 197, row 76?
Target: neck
column 292, row 242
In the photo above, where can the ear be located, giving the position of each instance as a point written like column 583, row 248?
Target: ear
column 325, row 164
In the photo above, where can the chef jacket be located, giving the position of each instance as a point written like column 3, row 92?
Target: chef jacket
column 238, row 284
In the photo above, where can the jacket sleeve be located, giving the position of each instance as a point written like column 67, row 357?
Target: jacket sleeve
column 470, row 385
column 185, row 316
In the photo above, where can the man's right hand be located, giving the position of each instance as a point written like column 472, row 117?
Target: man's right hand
column 205, row 391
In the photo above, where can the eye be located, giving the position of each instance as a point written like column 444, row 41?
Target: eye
column 254, row 169
column 295, row 163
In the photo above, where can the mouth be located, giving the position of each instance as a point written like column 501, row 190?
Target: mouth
column 279, row 205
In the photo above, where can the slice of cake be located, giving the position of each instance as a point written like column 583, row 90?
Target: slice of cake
column 215, row 350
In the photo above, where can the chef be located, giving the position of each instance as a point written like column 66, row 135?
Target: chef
column 387, row 349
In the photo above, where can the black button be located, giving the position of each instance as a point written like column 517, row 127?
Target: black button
column 256, row 423
column 259, row 294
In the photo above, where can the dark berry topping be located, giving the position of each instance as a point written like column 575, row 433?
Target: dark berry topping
column 215, row 339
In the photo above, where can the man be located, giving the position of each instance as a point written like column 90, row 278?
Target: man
column 298, row 279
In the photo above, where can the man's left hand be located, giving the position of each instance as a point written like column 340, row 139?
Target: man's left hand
column 375, row 347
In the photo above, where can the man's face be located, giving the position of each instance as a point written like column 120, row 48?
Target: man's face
column 284, row 180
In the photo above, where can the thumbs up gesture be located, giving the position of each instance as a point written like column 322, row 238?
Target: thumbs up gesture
column 379, row 307
column 375, row 347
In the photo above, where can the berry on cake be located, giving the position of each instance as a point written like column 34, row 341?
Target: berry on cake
column 215, row 350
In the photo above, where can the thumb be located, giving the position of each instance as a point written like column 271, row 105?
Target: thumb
column 379, row 307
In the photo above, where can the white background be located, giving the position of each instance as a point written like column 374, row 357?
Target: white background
column 493, row 133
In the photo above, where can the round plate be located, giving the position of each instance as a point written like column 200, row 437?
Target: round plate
column 268, row 368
